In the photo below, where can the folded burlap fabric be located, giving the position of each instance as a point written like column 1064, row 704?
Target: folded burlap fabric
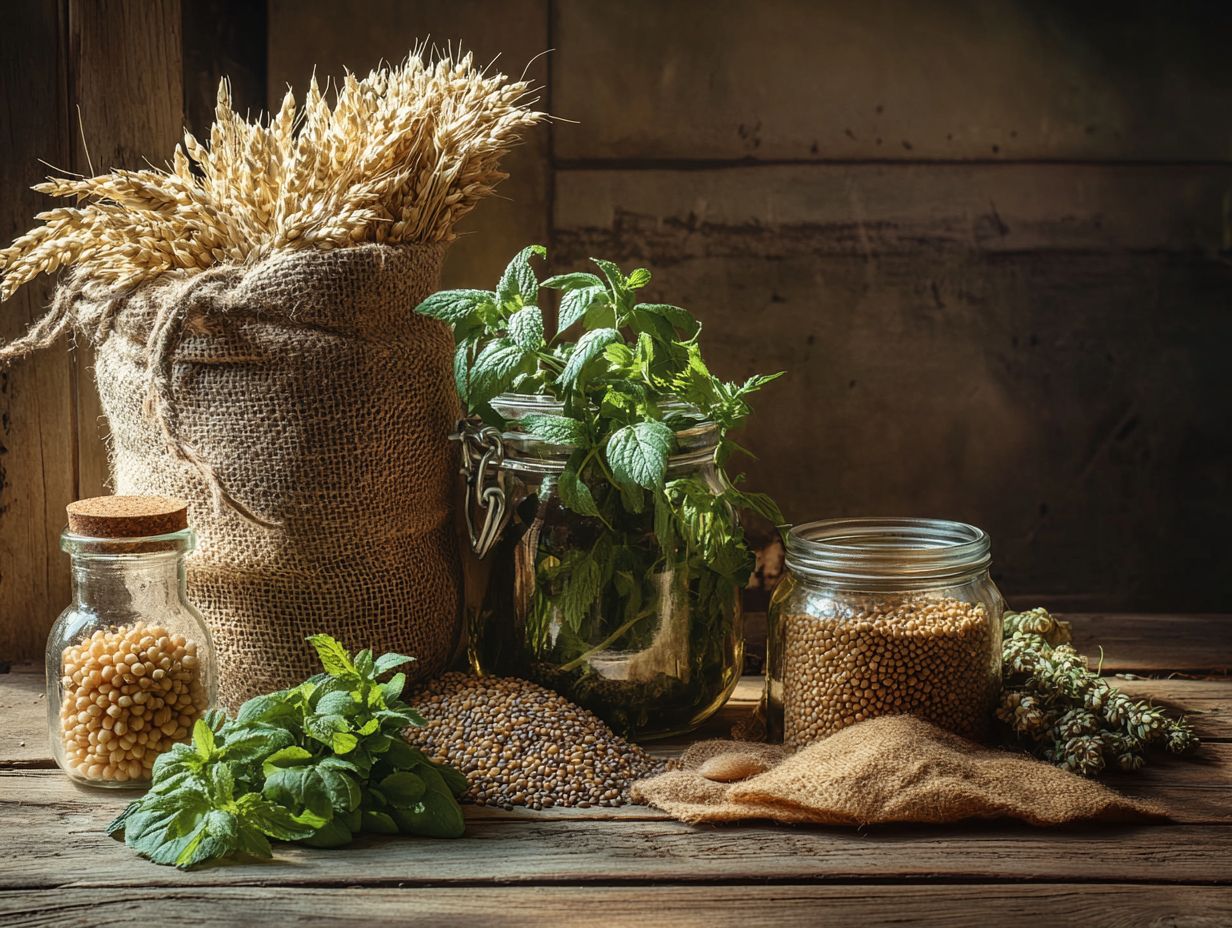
column 894, row 769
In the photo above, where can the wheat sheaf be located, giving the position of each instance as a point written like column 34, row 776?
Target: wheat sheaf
column 398, row 157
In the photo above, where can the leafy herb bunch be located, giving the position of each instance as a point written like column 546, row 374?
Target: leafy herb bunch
column 629, row 377
column 1066, row 713
column 317, row 763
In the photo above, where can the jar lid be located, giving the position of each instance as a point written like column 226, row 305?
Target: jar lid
column 887, row 553
column 127, row 516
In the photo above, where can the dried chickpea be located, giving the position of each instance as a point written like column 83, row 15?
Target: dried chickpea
column 115, row 719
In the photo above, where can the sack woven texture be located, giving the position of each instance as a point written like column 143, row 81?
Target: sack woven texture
column 884, row 770
column 302, row 392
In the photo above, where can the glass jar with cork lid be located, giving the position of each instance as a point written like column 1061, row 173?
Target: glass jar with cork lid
column 130, row 667
column 883, row 617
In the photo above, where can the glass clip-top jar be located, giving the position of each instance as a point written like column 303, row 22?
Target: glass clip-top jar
column 883, row 617
column 659, row 648
column 129, row 663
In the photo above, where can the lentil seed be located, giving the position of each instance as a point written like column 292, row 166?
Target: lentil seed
column 511, row 738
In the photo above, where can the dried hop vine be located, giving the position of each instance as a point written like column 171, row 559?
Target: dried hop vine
column 1065, row 713
column 399, row 157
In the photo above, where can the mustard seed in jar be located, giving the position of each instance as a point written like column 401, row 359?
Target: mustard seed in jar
column 883, row 617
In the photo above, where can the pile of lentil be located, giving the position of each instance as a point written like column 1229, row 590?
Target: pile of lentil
column 932, row 658
column 126, row 696
column 522, row 745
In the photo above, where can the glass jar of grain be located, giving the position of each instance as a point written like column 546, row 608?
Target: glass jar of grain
column 883, row 617
column 129, row 663
column 659, row 645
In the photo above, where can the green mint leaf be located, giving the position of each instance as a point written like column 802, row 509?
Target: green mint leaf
column 559, row 430
column 276, row 820
column 335, row 833
column 589, row 347
column 263, row 708
column 621, row 296
column 519, row 279
column 252, row 843
column 203, row 740
column 575, row 281
column 455, row 306
column 665, row 526
column 294, row 756
column 334, row 657
column 254, row 741
column 576, row 303
column 364, row 664
column 638, row 454
column 391, row 689
column 581, row 589
column 453, row 779
column 337, row 703
column 638, row 279
column 574, row 493
column 379, row 823
column 436, row 815
column 495, row 368
column 677, row 317
column 387, row 662
column 461, row 369
column 526, row 328
column 403, row 788
column 632, row 498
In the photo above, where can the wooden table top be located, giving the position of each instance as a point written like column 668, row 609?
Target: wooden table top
column 636, row 866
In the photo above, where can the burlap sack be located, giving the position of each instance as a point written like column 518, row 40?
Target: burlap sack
column 884, row 770
column 303, row 392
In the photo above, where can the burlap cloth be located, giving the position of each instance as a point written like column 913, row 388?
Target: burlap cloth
column 303, row 409
column 884, row 770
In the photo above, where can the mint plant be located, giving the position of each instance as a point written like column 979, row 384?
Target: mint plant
column 317, row 764
column 628, row 377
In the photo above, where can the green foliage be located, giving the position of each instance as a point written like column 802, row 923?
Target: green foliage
column 316, row 763
column 1065, row 713
column 629, row 375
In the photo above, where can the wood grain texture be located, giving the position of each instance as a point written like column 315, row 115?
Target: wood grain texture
column 36, row 394
column 872, row 210
column 952, row 906
column 1065, row 401
column 126, row 78
column 23, row 739
column 308, row 34
column 56, row 838
column 891, row 79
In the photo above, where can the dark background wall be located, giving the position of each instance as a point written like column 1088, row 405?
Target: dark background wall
column 988, row 240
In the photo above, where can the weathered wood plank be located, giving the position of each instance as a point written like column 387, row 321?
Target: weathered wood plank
column 36, row 394
column 223, row 38
column 1207, row 704
column 898, row 208
column 790, row 79
column 54, row 837
column 952, row 906
column 308, row 34
column 944, row 382
column 127, row 78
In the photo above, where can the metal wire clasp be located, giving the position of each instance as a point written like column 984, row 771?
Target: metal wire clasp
column 483, row 452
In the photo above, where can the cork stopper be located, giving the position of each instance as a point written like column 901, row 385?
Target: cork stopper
column 127, row 516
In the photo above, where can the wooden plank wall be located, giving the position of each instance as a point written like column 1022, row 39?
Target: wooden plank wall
column 101, row 77
column 988, row 240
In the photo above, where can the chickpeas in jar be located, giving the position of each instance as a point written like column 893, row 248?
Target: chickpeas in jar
column 130, row 668
column 127, row 696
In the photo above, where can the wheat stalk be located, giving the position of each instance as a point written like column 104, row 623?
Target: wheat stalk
column 399, row 157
